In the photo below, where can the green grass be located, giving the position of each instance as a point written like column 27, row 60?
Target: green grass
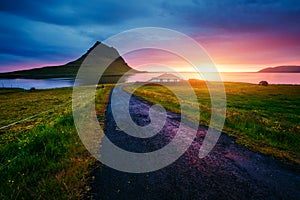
column 43, row 158
column 265, row 119
column 10, row 90
column 21, row 104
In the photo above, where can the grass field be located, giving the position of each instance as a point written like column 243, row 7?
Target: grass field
column 265, row 119
column 43, row 157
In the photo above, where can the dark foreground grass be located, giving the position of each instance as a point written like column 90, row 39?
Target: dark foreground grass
column 265, row 119
column 46, row 160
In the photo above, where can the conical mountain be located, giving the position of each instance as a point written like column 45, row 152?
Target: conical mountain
column 69, row 70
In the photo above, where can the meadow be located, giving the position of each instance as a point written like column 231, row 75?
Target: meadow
column 263, row 118
column 43, row 157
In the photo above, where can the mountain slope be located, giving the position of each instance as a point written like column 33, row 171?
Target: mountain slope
column 281, row 69
column 69, row 70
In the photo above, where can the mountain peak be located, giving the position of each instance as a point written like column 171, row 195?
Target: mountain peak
column 93, row 47
column 117, row 67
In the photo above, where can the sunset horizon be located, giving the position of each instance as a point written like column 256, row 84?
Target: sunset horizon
column 245, row 36
column 150, row 100
column 136, row 60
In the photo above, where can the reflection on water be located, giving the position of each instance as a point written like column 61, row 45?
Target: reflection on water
column 245, row 77
column 37, row 83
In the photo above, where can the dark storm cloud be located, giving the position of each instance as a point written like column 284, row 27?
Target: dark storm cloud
column 239, row 15
column 76, row 12
column 256, row 27
column 32, row 32
column 60, row 30
column 20, row 40
column 49, row 30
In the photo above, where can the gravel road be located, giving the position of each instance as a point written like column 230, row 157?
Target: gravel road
column 230, row 171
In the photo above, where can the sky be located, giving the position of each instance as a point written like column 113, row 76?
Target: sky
column 239, row 35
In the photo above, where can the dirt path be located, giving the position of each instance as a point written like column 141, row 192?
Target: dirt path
column 230, row 171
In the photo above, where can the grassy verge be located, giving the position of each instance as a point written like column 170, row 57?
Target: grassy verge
column 265, row 119
column 43, row 158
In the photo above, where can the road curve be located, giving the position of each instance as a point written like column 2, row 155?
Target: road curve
column 230, row 171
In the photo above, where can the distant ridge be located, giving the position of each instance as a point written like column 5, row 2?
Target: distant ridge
column 69, row 70
column 281, row 69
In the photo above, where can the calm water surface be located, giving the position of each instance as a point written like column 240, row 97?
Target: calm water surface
column 37, row 83
column 245, row 77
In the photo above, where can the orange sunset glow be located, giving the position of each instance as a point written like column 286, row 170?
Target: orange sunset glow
column 238, row 54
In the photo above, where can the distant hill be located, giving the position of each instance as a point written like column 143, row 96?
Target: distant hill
column 69, row 70
column 281, row 69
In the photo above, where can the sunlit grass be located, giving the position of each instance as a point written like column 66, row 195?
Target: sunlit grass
column 18, row 104
column 265, row 119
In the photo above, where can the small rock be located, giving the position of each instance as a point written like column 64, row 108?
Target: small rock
column 263, row 83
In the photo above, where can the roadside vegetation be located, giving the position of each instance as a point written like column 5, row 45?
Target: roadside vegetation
column 262, row 118
column 43, row 157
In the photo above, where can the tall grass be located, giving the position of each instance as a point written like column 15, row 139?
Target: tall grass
column 48, row 160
